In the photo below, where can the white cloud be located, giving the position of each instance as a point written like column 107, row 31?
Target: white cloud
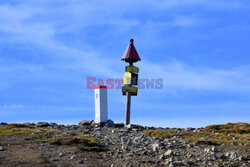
column 180, row 76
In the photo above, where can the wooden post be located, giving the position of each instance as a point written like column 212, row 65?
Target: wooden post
column 128, row 105
column 130, row 56
column 128, row 108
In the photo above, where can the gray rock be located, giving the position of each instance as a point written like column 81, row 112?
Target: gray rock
column 240, row 158
column 73, row 157
column 155, row 146
column 97, row 129
column 162, row 156
column 53, row 124
column 42, row 124
column 3, row 124
column 214, row 149
column 133, row 126
column 207, row 150
column 61, row 154
column 169, row 160
column 81, row 162
column 85, row 123
column 110, row 123
column 177, row 154
column 231, row 155
column 1, row 148
column 43, row 144
column 168, row 153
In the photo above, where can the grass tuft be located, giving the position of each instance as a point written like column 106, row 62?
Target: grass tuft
column 212, row 134
column 83, row 142
column 160, row 133
column 241, row 128
column 15, row 125
column 14, row 129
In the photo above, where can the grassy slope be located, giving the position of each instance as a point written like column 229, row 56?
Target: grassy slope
column 212, row 134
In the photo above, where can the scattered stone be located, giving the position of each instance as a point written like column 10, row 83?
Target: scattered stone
column 231, row 155
column 61, row 154
column 53, row 124
column 162, row 156
column 1, row 148
column 240, row 158
column 3, row 124
column 134, row 146
column 214, row 149
column 72, row 157
column 177, row 163
column 27, row 123
column 81, row 162
column 85, row 123
column 133, row 126
column 97, row 129
column 177, row 154
column 168, row 153
column 110, row 123
column 155, row 146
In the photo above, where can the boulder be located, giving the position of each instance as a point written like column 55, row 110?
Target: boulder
column 3, row 124
column 85, row 123
column 129, row 126
column 53, row 124
column 42, row 124
column 109, row 123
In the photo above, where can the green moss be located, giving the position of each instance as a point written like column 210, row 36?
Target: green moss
column 241, row 128
column 160, row 133
column 14, row 129
column 15, row 125
column 67, row 140
column 83, row 142
column 224, row 133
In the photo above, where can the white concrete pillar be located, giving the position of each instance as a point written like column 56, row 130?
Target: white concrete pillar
column 101, row 104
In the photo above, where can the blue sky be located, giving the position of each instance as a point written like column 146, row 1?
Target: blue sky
column 199, row 47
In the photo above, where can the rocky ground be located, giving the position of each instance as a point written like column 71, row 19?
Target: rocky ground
column 109, row 144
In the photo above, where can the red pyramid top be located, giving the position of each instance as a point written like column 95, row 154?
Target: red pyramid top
column 131, row 54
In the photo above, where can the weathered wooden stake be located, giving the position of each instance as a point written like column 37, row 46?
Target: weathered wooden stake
column 128, row 105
